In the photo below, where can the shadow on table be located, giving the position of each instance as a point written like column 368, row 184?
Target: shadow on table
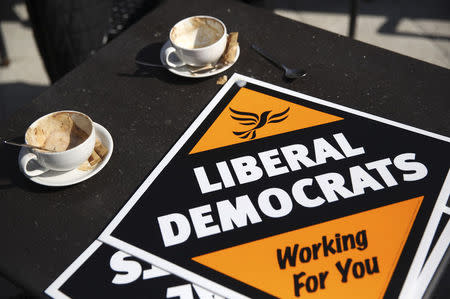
column 151, row 54
column 15, row 95
column 391, row 27
column 10, row 175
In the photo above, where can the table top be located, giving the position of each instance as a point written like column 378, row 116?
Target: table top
column 146, row 110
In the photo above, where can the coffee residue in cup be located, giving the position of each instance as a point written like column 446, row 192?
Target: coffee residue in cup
column 228, row 57
column 57, row 132
column 197, row 32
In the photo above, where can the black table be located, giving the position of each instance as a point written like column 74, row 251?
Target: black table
column 44, row 229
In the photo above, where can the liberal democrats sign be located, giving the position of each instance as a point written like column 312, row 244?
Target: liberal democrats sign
column 272, row 193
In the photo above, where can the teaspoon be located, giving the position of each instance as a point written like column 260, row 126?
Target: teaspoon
column 27, row 145
column 288, row 72
column 193, row 70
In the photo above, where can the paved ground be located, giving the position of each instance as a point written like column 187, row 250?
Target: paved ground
column 420, row 29
column 25, row 77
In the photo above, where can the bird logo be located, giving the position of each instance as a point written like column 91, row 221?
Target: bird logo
column 255, row 120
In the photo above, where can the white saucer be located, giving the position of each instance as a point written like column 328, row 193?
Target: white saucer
column 66, row 178
column 184, row 70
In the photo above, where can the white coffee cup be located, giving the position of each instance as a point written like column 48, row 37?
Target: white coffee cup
column 60, row 160
column 196, row 41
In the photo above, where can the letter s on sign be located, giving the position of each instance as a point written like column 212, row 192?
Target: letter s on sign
column 132, row 268
column 406, row 162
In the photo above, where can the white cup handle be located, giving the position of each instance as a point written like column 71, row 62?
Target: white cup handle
column 168, row 53
column 24, row 163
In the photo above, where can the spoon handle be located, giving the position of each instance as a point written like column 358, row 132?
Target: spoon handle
column 265, row 55
column 151, row 64
column 27, row 145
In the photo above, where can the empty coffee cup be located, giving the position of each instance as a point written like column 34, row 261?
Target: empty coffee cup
column 196, row 41
column 67, row 136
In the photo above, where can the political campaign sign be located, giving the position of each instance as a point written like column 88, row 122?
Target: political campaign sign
column 105, row 272
column 272, row 193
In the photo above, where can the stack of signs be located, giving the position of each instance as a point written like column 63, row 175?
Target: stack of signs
column 272, row 193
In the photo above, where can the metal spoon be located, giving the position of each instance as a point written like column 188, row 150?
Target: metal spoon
column 152, row 64
column 288, row 72
column 191, row 69
column 27, row 145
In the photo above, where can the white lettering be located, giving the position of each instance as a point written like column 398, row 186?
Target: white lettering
column 203, row 181
column 296, row 154
column 381, row 167
column 402, row 163
column 169, row 236
column 361, row 180
column 225, row 174
column 182, row 292
column 266, row 206
column 332, row 183
column 246, row 169
column 228, row 214
column 346, row 147
column 270, row 160
column 324, row 150
column 298, row 191
column 132, row 268
column 200, row 219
